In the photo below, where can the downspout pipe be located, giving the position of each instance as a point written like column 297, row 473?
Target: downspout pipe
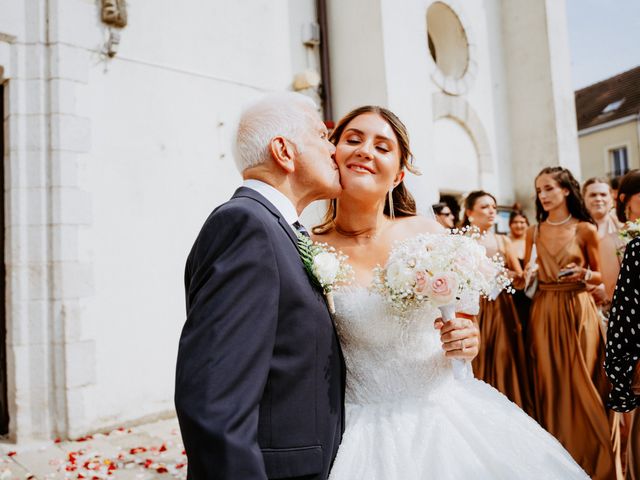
column 325, row 69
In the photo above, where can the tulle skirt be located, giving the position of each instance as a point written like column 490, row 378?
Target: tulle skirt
column 466, row 429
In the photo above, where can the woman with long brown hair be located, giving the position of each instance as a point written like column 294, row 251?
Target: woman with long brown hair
column 564, row 337
column 407, row 417
column 501, row 361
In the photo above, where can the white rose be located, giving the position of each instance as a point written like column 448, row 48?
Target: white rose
column 399, row 276
column 325, row 267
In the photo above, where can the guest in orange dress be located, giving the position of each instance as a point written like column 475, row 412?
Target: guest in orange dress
column 564, row 338
column 501, row 361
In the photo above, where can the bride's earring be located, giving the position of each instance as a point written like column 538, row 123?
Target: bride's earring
column 390, row 199
column 470, row 219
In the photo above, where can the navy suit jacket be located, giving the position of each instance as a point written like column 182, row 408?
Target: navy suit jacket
column 260, row 376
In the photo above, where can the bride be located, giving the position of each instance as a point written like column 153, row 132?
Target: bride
column 407, row 417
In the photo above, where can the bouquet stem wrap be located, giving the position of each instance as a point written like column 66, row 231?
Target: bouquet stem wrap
column 461, row 368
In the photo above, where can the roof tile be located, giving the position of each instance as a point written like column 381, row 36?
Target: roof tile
column 592, row 100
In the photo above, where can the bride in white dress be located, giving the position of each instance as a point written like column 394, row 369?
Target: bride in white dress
column 407, row 418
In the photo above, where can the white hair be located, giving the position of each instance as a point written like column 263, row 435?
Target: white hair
column 285, row 114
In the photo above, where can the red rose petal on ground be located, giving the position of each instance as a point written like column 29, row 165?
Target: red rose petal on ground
column 180, row 465
column 11, row 454
column 135, row 450
column 163, row 448
column 57, row 440
column 162, row 470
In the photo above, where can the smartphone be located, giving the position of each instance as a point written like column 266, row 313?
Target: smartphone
column 566, row 273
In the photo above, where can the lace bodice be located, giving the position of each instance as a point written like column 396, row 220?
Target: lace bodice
column 388, row 357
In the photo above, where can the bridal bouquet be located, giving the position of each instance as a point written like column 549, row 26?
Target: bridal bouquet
column 444, row 270
column 440, row 269
column 325, row 266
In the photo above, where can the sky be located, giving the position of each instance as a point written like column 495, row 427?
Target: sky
column 604, row 38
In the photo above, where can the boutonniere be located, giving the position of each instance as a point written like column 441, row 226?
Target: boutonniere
column 325, row 266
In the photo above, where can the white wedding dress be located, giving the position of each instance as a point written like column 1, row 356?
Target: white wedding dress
column 408, row 418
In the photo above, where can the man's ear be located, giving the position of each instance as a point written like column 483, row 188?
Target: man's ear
column 621, row 197
column 398, row 179
column 283, row 153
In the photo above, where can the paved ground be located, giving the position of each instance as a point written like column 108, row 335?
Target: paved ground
column 152, row 451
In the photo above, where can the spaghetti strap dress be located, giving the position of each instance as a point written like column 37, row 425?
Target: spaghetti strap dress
column 566, row 349
column 501, row 361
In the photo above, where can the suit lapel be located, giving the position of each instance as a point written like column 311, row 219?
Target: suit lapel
column 252, row 194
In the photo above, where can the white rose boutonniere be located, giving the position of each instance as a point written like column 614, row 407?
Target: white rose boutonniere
column 325, row 266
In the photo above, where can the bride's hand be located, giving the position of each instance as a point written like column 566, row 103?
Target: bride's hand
column 460, row 337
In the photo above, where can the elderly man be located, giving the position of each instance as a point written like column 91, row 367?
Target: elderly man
column 259, row 381
column 260, row 375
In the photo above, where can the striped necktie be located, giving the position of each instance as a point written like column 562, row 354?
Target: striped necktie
column 300, row 229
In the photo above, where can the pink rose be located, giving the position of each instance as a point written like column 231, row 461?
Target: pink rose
column 442, row 289
column 421, row 282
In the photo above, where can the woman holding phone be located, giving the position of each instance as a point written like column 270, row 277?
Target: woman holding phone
column 564, row 337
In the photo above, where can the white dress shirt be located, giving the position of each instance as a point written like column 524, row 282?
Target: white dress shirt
column 277, row 199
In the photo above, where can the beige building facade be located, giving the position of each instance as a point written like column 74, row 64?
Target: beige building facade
column 118, row 143
column 608, row 114
column 603, row 150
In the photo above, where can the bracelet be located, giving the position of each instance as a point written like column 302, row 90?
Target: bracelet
column 587, row 275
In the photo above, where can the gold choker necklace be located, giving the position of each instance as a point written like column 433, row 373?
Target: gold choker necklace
column 361, row 233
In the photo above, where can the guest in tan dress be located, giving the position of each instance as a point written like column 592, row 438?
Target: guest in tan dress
column 501, row 361
column 564, row 338
column 599, row 203
column 518, row 224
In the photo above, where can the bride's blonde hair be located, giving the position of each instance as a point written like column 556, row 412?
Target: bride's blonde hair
column 402, row 202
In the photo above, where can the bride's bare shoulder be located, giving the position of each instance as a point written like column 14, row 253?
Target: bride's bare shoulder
column 419, row 224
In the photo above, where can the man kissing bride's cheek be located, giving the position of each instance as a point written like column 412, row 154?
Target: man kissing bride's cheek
column 342, row 351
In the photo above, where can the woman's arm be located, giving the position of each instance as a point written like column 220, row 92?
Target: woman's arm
column 528, row 245
column 590, row 243
column 513, row 264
